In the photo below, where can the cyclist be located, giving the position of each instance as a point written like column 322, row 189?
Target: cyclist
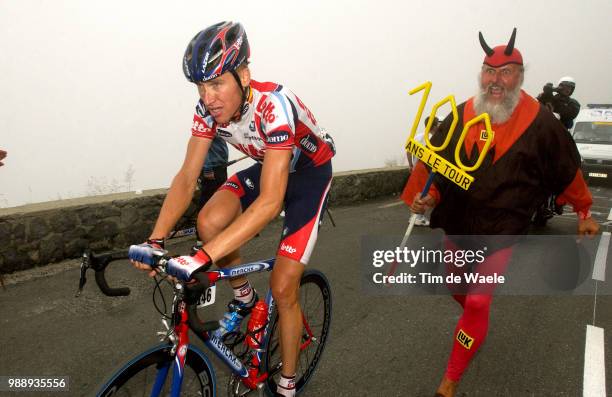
column 270, row 124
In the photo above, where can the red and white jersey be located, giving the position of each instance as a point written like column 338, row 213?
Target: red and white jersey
column 273, row 118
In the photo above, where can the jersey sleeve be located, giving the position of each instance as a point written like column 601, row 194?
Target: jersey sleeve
column 203, row 126
column 274, row 114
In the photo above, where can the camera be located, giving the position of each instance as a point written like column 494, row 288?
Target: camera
column 549, row 89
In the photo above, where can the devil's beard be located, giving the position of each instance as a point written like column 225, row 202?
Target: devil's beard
column 498, row 112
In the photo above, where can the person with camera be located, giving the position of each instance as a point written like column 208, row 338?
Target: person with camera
column 558, row 100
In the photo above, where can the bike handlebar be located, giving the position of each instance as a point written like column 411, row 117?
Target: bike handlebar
column 106, row 289
column 99, row 262
column 192, row 295
column 193, row 291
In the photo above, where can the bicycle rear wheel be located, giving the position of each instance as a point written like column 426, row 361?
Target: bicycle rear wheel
column 138, row 376
column 316, row 304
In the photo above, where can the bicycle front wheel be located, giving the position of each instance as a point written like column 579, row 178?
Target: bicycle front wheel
column 316, row 304
column 150, row 374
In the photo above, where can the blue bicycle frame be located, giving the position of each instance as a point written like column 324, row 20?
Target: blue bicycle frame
column 225, row 354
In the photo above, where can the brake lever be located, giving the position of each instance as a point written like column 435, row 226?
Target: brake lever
column 83, row 275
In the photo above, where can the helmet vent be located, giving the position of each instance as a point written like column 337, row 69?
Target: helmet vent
column 232, row 35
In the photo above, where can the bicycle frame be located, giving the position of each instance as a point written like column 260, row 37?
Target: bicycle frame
column 250, row 377
column 184, row 318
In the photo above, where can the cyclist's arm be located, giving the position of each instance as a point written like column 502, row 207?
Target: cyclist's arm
column 183, row 185
column 267, row 206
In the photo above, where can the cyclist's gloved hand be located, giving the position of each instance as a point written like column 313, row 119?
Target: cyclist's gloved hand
column 183, row 267
column 147, row 252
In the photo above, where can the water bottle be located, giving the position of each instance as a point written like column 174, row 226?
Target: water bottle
column 257, row 322
column 228, row 324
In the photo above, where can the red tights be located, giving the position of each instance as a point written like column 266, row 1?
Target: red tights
column 473, row 324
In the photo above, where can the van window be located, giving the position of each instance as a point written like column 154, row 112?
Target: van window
column 593, row 132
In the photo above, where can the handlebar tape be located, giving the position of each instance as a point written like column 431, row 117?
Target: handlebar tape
column 192, row 294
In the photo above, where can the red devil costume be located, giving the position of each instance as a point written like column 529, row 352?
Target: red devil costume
column 532, row 157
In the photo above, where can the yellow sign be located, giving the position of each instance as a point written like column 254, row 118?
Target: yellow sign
column 465, row 340
column 458, row 172
column 440, row 165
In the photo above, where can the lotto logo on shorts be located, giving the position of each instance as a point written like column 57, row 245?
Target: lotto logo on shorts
column 288, row 248
column 465, row 340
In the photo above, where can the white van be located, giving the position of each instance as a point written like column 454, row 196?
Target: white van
column 592, row 133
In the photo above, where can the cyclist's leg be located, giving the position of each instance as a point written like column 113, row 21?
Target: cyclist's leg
column 285, row 285
column 305, row 202
column 228, row 202
column 218, row 213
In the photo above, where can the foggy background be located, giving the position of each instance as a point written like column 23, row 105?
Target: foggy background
column 93, row 98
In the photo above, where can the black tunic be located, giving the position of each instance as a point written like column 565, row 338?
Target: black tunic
column 542, row 161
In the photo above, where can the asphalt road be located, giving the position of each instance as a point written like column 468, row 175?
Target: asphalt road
column 379, row 345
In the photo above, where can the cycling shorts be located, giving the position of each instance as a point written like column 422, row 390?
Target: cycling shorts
column 304, row 204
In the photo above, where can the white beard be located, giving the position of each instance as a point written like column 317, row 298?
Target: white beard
column 498, row 112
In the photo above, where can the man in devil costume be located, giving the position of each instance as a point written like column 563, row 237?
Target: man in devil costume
column 532, row 156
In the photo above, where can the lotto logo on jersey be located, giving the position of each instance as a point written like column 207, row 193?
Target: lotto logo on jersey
column 465, row 340
column 277, row 137
column 199, row 127
column 266, row 109
column 287, row 248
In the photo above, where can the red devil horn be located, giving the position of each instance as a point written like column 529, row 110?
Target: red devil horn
column 510, row 46
column 484, row 45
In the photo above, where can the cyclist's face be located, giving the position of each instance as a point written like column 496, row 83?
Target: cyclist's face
column 498, row 81
column 222, row 96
